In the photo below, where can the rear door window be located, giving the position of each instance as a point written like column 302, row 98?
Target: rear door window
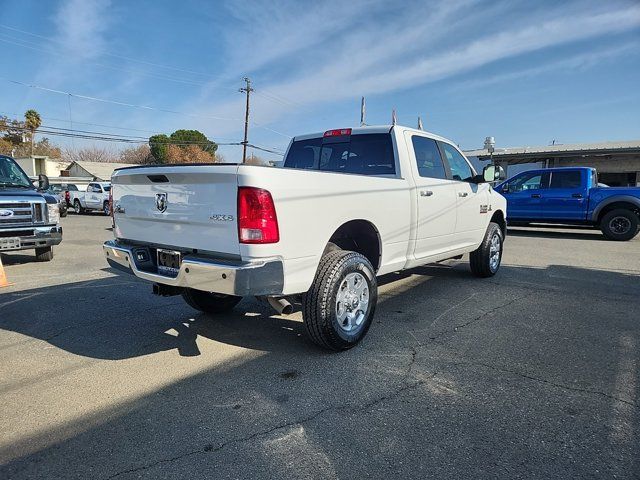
column 567, row 179
column 428, row 159
column 364, row 154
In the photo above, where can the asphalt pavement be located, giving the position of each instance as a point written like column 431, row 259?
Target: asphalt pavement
column 534, row 373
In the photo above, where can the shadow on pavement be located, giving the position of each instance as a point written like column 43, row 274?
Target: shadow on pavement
column 295, row 411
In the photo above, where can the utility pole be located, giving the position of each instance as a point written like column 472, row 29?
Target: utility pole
column 246, row 90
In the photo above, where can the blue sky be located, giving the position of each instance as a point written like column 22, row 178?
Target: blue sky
column 525, row 72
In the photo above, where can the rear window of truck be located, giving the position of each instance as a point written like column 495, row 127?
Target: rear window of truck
column 363, row 154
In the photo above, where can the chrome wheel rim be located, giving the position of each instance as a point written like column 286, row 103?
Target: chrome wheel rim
column 494, row 252
column 620, row 225
column 352, row 302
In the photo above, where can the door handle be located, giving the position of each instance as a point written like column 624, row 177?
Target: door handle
column 535, row 195
column 462, row 194
column 576, row 195
column 426, row 193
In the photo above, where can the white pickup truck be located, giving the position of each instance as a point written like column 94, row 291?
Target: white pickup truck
column 95, row 198
column 347, row 205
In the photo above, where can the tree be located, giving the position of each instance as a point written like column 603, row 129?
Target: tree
column 255, row 160
column 13, row 130
column 32, row 123
column 42, row 147
column 184, row 138
column 188, row 154
column 89, row 154
column 192, row 142
column 137, row 155
column 158, row 147
column 6, row 147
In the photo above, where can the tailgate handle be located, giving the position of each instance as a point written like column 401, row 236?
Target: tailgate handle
column 158, row 178
column 576, row 195
column 535, row 195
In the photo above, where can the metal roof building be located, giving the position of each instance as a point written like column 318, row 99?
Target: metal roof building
column 99, row 171
column 618, row 163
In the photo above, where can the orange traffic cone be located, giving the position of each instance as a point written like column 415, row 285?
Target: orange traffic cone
column 3, row 276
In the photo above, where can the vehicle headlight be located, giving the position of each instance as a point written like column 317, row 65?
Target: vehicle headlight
column 54, row 212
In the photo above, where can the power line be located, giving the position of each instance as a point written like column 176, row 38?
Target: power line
column 34, row 46
column 107, row 137
column 122, row 57
column 132, row 105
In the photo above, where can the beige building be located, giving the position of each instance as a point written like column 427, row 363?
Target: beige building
column 41, row 164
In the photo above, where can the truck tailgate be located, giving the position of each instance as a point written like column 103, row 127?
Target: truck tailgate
column 191, row 206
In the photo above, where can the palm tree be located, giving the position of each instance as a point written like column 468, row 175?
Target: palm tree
column 32, row 122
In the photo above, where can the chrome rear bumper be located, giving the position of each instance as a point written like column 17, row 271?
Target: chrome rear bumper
column 264, row 277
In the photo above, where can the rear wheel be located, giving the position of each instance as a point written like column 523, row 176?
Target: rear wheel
column 77, row 206
column 44, row 254
column 485, row 260
column 620, row 224
column 208, row 302
column 339, row 306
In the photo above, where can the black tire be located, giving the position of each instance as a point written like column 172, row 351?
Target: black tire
column 63, row 213
column 620, row 224
column 320, row 303
column 77, row 206
column 209, row 302
column 44, row 254
column 482, row 260
column 105, row 208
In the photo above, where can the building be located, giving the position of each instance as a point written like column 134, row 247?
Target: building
column 98, row 171
column 42, row 164
column 618, row 163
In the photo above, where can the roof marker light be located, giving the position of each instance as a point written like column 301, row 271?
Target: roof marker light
column 337, row 133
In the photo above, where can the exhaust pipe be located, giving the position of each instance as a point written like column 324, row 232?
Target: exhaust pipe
column 281, row 305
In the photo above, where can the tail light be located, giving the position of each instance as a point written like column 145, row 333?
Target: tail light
column 111, row 201
column 67, row 196
column 257, row 220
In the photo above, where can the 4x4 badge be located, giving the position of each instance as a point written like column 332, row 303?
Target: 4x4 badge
column 161, row 202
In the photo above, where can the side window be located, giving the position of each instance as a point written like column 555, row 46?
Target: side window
column 460, row 168
column 428, row 157
column 527, row 181
column 567, row 179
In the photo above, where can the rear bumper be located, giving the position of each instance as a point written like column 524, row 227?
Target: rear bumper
column 264, row 277
column 32, row 237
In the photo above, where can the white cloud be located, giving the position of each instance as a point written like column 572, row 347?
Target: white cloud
column 81, row 25
column 329, row 58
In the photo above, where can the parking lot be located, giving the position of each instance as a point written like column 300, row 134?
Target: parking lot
column 531, row 374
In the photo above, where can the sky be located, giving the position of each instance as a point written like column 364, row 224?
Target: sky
column 527, row 73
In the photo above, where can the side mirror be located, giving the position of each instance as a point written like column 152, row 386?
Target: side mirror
column 505, row 188
column 493, row 173
column 43, row 182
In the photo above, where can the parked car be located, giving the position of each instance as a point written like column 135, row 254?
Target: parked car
column 57, row 191
column 348, row 205
column 572, row 196
column 66, row 188
column 29, row 216
column 96, row 197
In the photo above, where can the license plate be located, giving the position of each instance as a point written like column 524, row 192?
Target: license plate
column 169, row 262
column 10, row 243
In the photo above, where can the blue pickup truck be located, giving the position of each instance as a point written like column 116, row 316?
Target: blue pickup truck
column 571, row 196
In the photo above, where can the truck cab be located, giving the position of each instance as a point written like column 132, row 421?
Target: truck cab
column 29, row 217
